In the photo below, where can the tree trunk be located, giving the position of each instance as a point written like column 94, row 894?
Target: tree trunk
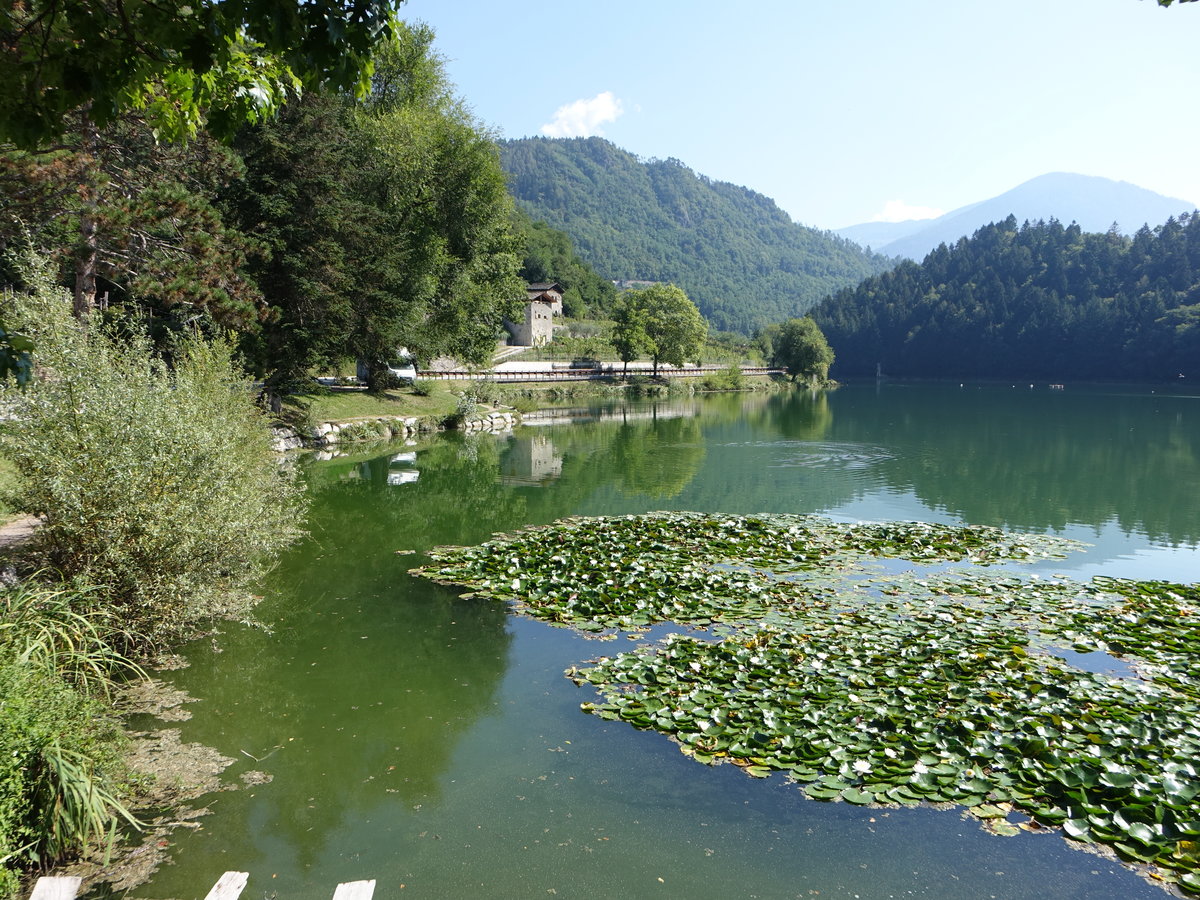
column 85, row 263
column 88, row 251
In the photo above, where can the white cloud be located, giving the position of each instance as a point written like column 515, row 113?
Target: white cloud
column 583, row 118
column 899, row 211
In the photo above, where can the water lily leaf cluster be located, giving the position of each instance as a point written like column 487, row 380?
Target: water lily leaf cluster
column 941, row 684
column 633, row 571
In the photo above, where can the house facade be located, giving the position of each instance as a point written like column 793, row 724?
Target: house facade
column 543, row 301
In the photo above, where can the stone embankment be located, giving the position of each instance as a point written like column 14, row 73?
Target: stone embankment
column 382, row 428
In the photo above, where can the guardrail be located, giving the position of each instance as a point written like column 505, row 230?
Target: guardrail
column 591, row 374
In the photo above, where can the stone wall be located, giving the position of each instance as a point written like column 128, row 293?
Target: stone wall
column 383, row 428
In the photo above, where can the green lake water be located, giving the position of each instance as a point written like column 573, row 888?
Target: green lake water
column 432, row 743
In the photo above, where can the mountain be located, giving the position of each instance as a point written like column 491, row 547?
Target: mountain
column 1030, row 301
column 739, row 256
column 1091, row 202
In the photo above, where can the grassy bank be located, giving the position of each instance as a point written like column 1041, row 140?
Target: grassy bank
column 441, row 400
column 433, row 399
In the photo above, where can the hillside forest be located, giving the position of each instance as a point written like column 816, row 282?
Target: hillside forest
column 740, row 257
column 1038, row 300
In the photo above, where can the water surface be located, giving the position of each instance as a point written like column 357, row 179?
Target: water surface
column 432, row 743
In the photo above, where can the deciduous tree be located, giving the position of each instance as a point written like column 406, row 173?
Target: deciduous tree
column 673, row 327
column 801, row 348
column 183, row 62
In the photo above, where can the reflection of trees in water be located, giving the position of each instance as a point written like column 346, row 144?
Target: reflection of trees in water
column 658, row 458
column 369, row 677
column 800, row 415
column 1038, row 459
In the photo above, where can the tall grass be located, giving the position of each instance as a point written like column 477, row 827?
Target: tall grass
column 41, row 626
column 61, row 775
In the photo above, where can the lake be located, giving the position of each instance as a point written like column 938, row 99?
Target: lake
column 433, row 743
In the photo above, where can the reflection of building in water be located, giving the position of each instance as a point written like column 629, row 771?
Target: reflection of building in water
column 530, row 461
column 399, row 471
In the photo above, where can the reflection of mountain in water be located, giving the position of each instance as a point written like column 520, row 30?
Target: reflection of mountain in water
column 1036, row 459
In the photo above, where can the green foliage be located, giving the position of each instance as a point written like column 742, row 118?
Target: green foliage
column 1038, row 300
column 550, row 256
column 156, row 242
column 659, row 321
column 741, row 258
column 466, row 409
column 180, row 64
column 484, row 391
column 60, row 772
column 387, row 223
column 155, row 483
column 731, row 347
column 801, row 348
column 577, row 343
column 423, row 387
column 65, row 632
column 729, row 380
column 15, row 361
column 60, row 775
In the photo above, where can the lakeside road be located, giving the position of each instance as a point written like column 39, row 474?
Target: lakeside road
column 565, row 371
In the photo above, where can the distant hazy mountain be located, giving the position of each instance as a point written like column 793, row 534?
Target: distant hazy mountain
column 1094, row 203
column 739, row 256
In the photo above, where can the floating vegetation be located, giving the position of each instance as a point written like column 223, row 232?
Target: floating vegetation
column 939, row 685
column 634, row 571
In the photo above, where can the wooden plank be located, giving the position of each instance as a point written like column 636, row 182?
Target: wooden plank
column 59, row 888
column 355, row 890
column 229, row 886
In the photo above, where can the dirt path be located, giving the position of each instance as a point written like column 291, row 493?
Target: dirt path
column 16, row 530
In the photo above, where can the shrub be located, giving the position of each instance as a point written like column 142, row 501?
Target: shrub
column 60, row 771
column 483, row 391
column 423, row 387
column 155, row 483
column 465, row 409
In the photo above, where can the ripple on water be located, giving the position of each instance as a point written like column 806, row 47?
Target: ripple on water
column 828, row 455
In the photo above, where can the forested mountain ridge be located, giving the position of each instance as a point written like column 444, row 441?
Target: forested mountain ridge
column 739, row 256
column 1036, row 301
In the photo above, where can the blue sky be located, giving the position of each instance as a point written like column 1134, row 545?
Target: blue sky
column 847, row 112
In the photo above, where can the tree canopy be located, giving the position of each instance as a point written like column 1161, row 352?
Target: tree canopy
column 182, row 63
column 801, row 348
column 342, row 227
column 386, row 224
column 661, row 322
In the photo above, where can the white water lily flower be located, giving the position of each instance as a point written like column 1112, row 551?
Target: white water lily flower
column 516, row 584
column 920, row 768
column 861, row 766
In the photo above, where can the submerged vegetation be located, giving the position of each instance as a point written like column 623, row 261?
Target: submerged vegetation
column 947, row 685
